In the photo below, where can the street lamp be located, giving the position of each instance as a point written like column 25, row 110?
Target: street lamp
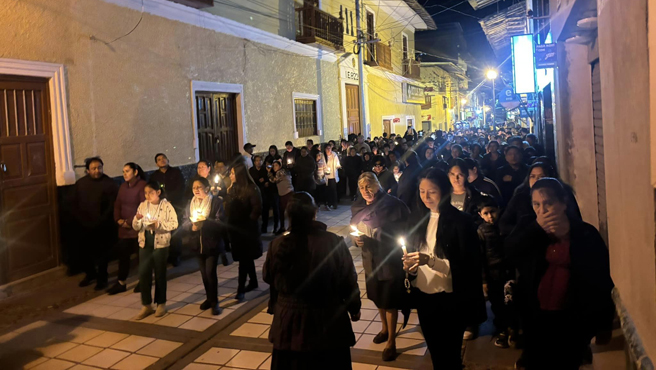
column 463, row 101
column 491, row 74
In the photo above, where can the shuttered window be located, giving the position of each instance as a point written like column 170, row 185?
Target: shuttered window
column 306, row 117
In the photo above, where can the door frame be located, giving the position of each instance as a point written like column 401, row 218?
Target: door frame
column 217, row 87
column 60, row 131
column 382, row 123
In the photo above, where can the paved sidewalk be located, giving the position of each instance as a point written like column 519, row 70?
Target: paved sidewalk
column 91, row 330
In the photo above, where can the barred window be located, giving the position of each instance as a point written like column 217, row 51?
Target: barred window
column 306, row 117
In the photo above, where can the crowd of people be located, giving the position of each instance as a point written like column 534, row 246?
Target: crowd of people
column 444, row 221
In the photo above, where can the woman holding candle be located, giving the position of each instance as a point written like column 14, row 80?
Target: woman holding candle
column 154, row 221
column 243, row 208
column 283, row 179
column 444, row 264
column 380, row 220
column 204, row 220
column 312, row 272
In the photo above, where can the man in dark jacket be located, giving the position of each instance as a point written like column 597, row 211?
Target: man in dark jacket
column 510, row 176
column 492, row 160
column 407, row 188
column 481, row 182
column 305, row 168
column 95, row 195
column 290, row 155
column 268, row 191
column 174, row 183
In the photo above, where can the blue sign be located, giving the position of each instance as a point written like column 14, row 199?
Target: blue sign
column 508, row 99
column 523, row 113
column 523, row 64
column 545, row 56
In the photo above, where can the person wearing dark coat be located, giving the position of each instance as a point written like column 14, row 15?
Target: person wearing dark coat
column 463, row 196
column 520, row 205
column 511, row 175
column 174, row 186
column 204, row 221
column 381, row 219
column 482, row 183
column 269, row 193
column 95, row 195
column 314, row 292
column 563, row 291
column 444, row 266
column 243, row 209
column 407, row 188
column 353, row 168
column 492, row 160
column 305, row 168
column 367, row 162
column 290, row 156
column 385, row 177
column 272, row 156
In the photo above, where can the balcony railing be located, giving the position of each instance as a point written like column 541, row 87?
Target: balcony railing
column 411, row 69
column 316, row 26
column 379, row 55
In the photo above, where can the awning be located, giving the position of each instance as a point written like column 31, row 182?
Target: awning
column 500, row 27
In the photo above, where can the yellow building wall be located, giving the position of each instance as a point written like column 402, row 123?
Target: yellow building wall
column 386, row 99
column 132, row 99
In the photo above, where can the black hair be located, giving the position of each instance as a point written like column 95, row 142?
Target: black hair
column 475, row 144
column 157, row 186
column 471, row 164
column 310, row 141
column 293, row 262
column 411, row 157
column 88, row 161
column 552, row 187
column 257, row 156
column 487, row 201
column 456, row 146
column 304, row 148
column 207, row 163
column 202, row 180
column 273, row 147
column 511, row 147
column 430, row 139
column 460, row 163
column 158, row 154
column 515, row 138
column 386, row 146
column 380, row 160
column 493, row 142
column 289, row 143
column 532, row 136
column 136, row 167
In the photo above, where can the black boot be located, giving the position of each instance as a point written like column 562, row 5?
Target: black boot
column 116, row 288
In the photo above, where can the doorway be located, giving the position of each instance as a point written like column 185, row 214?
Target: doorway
column 387, row 126
column 353, row 109
column 28, row 201
column 216, row 121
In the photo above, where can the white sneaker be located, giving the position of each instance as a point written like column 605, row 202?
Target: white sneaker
column 161, row 310
column 145, row 312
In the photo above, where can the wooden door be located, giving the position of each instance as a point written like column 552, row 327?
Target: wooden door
column 599, row 150
column 28, row 201
column 387, row 126
column 217, row 126
column 353, row 109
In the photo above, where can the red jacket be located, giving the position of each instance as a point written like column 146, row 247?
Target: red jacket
column 125, row 207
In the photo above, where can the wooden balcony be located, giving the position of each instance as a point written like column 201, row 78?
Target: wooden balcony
column 411, row 69
column 314, row 26
column 379, row 55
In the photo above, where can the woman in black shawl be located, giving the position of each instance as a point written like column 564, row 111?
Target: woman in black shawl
column 382, row 219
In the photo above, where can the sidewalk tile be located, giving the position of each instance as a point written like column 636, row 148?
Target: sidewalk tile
column 195, row 298
column 360, row 366
column 125, row 314
column 135, row 362
column 35, row 363
column 54, row 364
column 79, row 353
column 201, row 367
column 159, row 348
column 366, row 342
column 262, row 318
column 83, row 367
column 217, row 356
column 265, row 335
column 107, row 339
column 250, row 330
column 403, row 343
column 198, row 324
column 190, row 310
column 173, row 320
column 248, row 359
column 208, row 314
column 368, row 315
column 133, row 343
column 266, row 365
column 34, row 325
column 106, row 358
column 175, row 306
column 81, row 335
column 105, row 311
column 360, row 326
column 179, row 287
column 56, row 349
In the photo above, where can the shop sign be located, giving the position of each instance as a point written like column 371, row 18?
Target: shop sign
column 350, row 74
column 413, row 94
column 545, row 56
column 396, row 120
column 508, row 99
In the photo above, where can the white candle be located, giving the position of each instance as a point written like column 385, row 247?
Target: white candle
column 402, row 243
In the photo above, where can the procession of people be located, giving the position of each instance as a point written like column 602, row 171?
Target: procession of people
column 444, row 221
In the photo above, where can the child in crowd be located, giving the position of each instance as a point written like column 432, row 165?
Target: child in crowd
column 155, row 220
column 495, row 270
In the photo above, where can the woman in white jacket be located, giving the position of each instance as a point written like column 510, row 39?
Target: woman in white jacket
column 332, row 176
column 154, row 221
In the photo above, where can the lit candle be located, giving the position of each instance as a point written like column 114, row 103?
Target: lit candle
column 402, row 244
column 216, row 179
column 289, row 161
column 356, row 232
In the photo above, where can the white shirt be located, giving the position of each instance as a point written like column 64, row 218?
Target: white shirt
column 435, row 279
column 248, row 161
column 332, row 164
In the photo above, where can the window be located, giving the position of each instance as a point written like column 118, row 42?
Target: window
column 307, row 115
column 405, row 46
column 429, row 102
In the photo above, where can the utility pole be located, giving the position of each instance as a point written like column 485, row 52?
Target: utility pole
column 362, row 45
column 494, row 106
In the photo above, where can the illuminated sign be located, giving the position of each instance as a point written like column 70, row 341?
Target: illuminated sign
column 413, row 94
column 523, row 64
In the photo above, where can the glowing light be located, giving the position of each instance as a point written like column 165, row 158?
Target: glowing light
column 491, row 74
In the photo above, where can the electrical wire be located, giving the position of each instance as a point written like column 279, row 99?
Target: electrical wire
column 133, row 28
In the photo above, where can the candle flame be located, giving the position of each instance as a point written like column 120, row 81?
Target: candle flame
column 402, row 242
column 216, row 179
column 289, row 161
column 354, row 228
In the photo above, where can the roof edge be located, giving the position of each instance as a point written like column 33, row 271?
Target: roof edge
column 422, row 13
